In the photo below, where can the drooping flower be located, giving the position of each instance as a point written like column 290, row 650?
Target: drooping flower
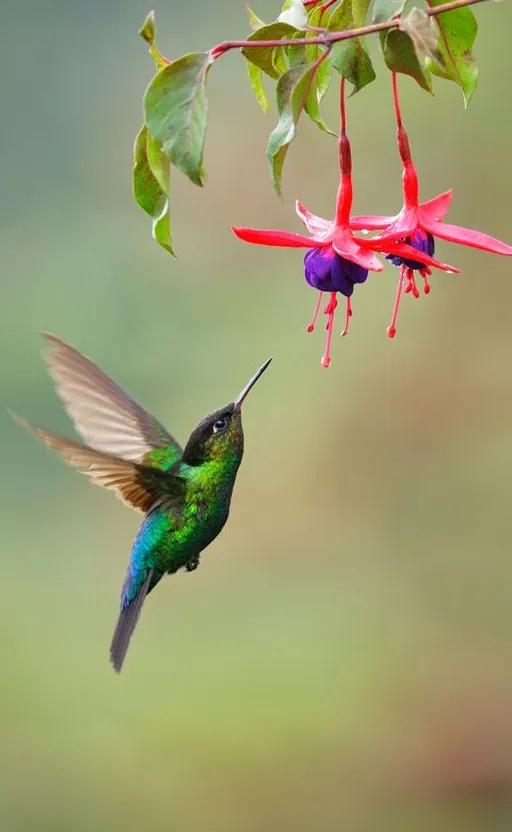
column 418, row 225
column 336, row 260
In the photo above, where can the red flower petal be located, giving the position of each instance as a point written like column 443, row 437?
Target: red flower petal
column 410, row 253
column 369, row 222
column 272, row 237
column 404, row 225
column 436, row 208
column 315, row 225
column 356, row 251
column 468, row 237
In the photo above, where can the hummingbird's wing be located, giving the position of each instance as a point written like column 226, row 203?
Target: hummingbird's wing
column 139, row 486
column 109, row 420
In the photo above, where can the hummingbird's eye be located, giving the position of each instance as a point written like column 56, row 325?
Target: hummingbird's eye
column 220, row 424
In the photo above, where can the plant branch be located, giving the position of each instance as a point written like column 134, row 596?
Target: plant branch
column 329, row 38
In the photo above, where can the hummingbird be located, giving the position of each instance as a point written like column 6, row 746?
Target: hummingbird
column 184, row 494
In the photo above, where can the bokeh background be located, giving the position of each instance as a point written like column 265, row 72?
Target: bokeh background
column 342, row 658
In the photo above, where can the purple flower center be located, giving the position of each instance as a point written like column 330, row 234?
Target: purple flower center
column 328, row 272
column 422, row 241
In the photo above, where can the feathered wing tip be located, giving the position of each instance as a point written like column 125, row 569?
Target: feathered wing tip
column 126, row 624
column 107, row 417
column 136, row 485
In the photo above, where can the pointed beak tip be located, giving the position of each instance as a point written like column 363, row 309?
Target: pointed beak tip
column 243, row 395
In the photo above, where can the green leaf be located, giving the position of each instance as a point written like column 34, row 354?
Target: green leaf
column 255, row 73
column 458, row 30
column 158, row 162
column 401, row 56
column 384, row 10
column 306, row 57
column 175, row 109
column 423, row 32
column 256, row 79
column 313, row 110
column 360, row 11
column 292, row 92
column 265, row 57
column 350, row 57
column 148, row 32
column 300, row 55
column 281, row 61
column 254, row 22
column 323, row 79
column 148, row 29
column 151, row 186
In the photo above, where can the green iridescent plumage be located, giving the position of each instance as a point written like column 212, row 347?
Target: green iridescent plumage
column 185, row 494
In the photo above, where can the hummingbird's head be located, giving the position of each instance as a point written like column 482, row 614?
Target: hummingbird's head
column 220, row 435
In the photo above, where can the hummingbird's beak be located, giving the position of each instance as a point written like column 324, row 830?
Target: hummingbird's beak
column 243, row 395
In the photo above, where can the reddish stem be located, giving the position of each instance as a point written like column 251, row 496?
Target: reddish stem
column 343, row 111
column 396, row 100
column 328, row 38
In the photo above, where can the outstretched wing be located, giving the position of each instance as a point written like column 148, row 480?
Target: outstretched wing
column 139, row 486
column 109, row 420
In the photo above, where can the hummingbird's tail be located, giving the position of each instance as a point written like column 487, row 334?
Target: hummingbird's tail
column 126, row 624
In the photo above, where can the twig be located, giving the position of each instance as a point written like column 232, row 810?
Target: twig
column 329, row 38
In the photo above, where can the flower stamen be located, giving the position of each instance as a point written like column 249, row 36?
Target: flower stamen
column 312, row 325
column 329, row 310
column 392, row 326
column 348, row 315
column 425, row 275
column 411, row 284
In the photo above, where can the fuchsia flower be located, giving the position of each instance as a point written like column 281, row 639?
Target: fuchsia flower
column 418, row 224
column 336, row 260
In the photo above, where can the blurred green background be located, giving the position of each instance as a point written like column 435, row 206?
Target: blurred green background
column 342, row 658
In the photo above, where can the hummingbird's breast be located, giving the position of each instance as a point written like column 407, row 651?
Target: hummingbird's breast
column 205, row 513
column 171, row 535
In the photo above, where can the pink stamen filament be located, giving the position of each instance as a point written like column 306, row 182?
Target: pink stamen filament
column 348, row 315
column 392, row 326
column 312, row 325
column 329, row 310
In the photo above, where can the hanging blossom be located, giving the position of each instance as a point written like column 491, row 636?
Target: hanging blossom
column 419, row 224
column 337, row 260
